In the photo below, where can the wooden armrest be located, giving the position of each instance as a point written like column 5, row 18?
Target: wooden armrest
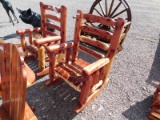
column 36, row 30
column 60, row 47
column 46, row 40
column 95, row 66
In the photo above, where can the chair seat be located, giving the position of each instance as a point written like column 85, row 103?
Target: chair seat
column 72, row 72
column 33, row 50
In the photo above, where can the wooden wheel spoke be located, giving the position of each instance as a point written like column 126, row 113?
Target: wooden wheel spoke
column 118, row 13
column 110, row 9
column 100, row 25
column 113, row 27
column 100, row 5
column 116, row 8
column 98, row 12
column 106, row 7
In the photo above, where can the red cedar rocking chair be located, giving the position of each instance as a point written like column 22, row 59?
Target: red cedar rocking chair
column 35, row 47
column 14, row 81
column 87, row 78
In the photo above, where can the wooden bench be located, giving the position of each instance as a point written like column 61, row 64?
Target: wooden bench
column 13, row 85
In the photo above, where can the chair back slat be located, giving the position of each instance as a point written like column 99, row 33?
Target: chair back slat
column 49, row 33
column 49, row 7
column 55, row 18
column 13, row 82
column 106, row 35
column 94, row 42
column 56, row 15
column 99, row 19
column 53, row 26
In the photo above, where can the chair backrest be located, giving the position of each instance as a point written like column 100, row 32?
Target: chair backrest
column 92, row 45
column 57, row 17
column 13, row 77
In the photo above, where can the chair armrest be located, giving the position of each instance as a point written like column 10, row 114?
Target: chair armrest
column 25, row 31
column 47, row 40
column 63, row 46
column 95, row 66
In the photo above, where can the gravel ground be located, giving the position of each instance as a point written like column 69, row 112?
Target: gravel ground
column 133, row 78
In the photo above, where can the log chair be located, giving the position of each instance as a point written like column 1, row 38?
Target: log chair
column 14, row 81
column 44, row 35
column 88, row 78
column 155, row 107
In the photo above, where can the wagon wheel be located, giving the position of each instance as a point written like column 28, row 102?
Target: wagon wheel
column 112, row 9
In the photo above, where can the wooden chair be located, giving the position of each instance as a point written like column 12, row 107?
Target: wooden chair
column 87, row 78
column 47, row 36
column 14, row 81
column 31, row 77
column 155, row 107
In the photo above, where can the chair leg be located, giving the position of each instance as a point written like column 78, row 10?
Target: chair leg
column 52, row 82
column 43, row 72
column 41, row 58
column 90, row 98
column 52, row 75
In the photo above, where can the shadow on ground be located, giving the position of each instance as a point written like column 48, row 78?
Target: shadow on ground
column 154, row 76
column 55, row 102
column 7, row 37
column 139, row 111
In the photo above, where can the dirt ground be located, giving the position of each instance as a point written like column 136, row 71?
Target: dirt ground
column 134, row 75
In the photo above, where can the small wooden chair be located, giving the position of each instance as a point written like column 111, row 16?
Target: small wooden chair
column 14, row 81
column 51, row 33
column 87, row 78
